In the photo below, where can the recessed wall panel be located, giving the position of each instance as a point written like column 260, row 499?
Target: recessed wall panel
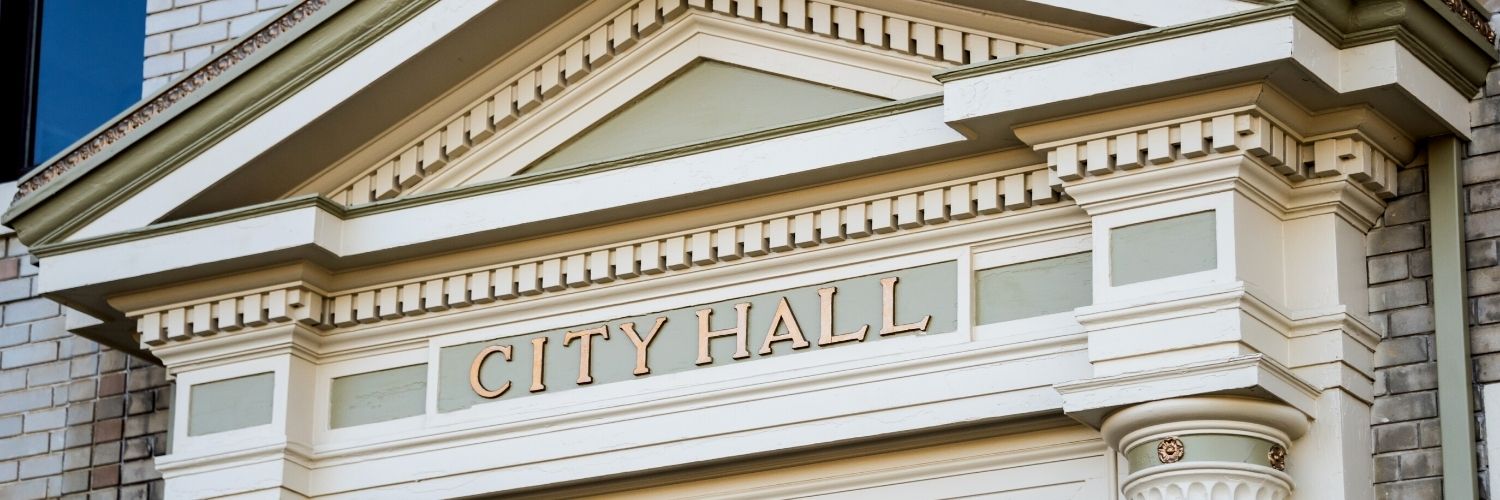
column 226, row 405
column 377, row 396
column 1163, row 248
column 1034, row 288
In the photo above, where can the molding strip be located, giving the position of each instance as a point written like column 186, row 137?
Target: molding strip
column 757, row 238
column 166, row 98
column 1476, row 19
column 1295, row 158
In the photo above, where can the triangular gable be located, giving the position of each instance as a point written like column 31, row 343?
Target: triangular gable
column 708, row 100
column 614, row 63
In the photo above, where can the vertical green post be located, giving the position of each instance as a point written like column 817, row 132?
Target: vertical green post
column 1450, row 308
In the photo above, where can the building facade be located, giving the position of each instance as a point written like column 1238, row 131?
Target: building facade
column 874, row 248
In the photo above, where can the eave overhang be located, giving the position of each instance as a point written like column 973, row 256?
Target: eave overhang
column 1390, row 69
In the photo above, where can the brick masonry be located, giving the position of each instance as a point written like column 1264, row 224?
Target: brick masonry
column 182, row 33
column 1408, row 455
column 76, row 420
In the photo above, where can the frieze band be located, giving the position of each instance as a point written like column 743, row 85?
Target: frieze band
column 784, row 327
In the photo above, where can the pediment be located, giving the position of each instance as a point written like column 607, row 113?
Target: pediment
column 332, row 99
column 824, row 58
column 707, row 100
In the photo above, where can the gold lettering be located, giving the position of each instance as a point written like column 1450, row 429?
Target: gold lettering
column 474, row 381
column 584, row 361
column 741, row 339
column 888, row 324
column 538, row 347
column 793, row 331
column 641, row 368
column 825, row 331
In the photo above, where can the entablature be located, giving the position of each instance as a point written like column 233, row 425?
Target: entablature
column 312, row 301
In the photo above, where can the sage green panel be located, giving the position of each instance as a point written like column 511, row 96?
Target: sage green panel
column 1035, row 288
column 1163, row 248
column 926, row 290
column 378, row 396
column 708, row 100
column 226, row 405
column 1206, row 448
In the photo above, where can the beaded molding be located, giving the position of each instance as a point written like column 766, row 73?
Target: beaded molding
column 1472, row 16
column 173, row 95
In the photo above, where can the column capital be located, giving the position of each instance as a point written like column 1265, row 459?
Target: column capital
column 1206, row 447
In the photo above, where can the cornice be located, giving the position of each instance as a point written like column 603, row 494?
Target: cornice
column 870, row 218
column 1090, row 168
column 1298, row 9
column 345, row 212
column 307, row 54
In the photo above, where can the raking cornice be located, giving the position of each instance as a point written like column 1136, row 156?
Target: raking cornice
column 57, row 203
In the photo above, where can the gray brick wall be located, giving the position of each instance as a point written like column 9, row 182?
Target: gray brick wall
column 1481, row 178
column 76, row 421
column 182, row 33
column 1408, row 460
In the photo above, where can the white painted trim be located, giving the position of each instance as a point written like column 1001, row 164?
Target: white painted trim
column 856, row 408
column 1005, row 256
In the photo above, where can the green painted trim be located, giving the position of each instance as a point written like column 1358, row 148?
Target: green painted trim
column 1440, row 64
column 1205, row 448
column 176, row 137
column 1450, row 310
column 345, row 213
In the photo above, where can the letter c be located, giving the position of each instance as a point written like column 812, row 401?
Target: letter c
column 474, row 372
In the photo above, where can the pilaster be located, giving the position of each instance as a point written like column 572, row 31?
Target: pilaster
column 266, row 458
column 1228, row 252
